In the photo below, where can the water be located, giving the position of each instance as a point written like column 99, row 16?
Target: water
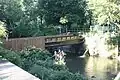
column 94, row 68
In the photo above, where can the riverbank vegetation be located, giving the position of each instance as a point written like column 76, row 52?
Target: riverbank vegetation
column 104, row 33
column 40, row 63
column 29, row 18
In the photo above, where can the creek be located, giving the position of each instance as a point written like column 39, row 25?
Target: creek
column 94, row 68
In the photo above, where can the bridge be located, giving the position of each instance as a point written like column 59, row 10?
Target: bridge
column 62, row 40
column 44, row 42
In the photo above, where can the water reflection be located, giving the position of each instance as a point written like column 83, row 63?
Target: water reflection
column 94, row 68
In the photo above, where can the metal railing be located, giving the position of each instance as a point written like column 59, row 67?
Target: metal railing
column 50, row 39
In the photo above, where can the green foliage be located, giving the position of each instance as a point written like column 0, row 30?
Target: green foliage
column 31, row 56
column 27, row 18
column 105, row 11
column 50, row 74
column 10, row 12
column 11, row 56
column 35, row 53
column 113, row 40
column 39, row 63
column 49, row 30
column 2, row 30
column 107, row 14
column 73, row 10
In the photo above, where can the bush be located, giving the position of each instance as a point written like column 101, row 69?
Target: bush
column 31, row 56
column 39, row 63
column 50, row 74
column 35, row 54
column 113, row 40
column 2, row 30
column 11, row 56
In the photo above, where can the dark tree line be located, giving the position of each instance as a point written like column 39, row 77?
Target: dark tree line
column 39, row 17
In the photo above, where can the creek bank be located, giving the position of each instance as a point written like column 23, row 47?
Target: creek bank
column 40, row 63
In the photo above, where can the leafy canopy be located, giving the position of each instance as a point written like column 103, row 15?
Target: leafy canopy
column 27, row 18
column 2, row 30
column 105, row 11
column 73, row 11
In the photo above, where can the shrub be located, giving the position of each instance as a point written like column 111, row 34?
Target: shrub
column 31, row 56
column 2, row 30
column 11, row 56
column 35, row 54
column 50, row 74
column 39, row 63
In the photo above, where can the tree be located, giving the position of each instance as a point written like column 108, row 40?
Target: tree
column 2, row 30
column 106, row 14
column 73, row 10
column 20, row 17
column 105, row 11
column 11, row 13
column 27, row 18
column 35, row 14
